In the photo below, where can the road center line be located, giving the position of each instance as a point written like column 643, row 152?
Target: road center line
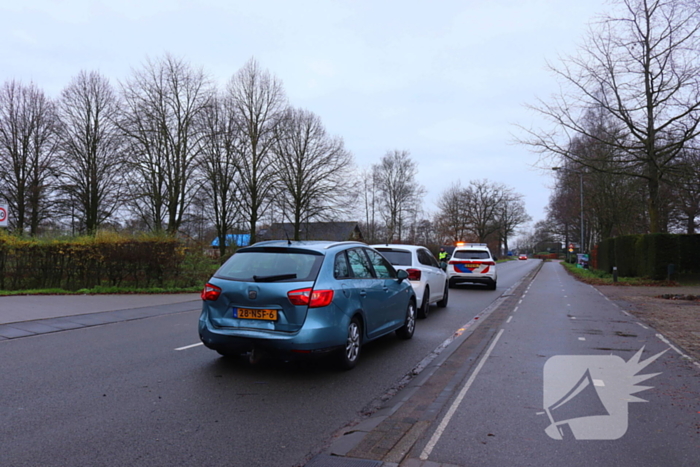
column 453, row 408
column 511, row 317
column 189, row 346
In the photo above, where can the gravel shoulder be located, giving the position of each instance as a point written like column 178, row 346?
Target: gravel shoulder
column 676, row 319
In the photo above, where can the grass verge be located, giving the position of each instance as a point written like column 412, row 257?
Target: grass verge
column 595, row 277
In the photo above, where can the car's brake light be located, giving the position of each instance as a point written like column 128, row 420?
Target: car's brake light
column 413, row 274
column 210, row 292
column 488, row 263
column 310, row 297
column 300, row 296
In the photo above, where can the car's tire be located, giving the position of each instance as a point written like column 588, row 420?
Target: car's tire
column 409, row 326
column 353, row 344
column 443, row 303
column 424, row 309
column 492, row 285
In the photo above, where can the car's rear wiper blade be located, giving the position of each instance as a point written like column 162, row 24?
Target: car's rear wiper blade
column 276, row 277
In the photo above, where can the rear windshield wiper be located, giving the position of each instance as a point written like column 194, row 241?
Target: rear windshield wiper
column 276, row 277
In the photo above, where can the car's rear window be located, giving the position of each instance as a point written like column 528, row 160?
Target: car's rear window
column 274, row 265
column 396, row 257
column 471, row 254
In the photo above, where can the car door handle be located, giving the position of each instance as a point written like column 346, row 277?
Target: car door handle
column 363, row 293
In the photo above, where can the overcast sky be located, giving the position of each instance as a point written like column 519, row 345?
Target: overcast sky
column 445, row 80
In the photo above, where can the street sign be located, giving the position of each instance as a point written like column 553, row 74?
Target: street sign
column 3, row 215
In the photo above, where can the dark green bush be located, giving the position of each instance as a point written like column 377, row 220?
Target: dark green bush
column 107, row 260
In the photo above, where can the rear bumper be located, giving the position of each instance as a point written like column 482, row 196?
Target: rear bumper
column 315, row 337
column 459, row 278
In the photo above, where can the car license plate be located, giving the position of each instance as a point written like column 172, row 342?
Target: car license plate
column 249, row 313
column 473, row 265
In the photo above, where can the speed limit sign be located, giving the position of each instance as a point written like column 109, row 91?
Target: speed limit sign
column 3, row 215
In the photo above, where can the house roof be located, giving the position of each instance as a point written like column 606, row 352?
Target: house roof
column 334, row 231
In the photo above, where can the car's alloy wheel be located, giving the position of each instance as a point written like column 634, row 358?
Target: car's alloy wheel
column 425, row 304
column 406, row 331
column 353, row 344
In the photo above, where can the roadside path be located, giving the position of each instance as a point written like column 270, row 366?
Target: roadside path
column 26, row 315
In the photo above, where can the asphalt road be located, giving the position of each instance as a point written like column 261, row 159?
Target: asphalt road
column 133, row 387
column 556, row 344
column 500, row 421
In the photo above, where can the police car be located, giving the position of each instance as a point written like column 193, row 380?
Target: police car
column 474, row 263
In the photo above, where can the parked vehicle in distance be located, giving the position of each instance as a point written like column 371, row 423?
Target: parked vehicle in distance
column 522, row 257
column 305, row 299
column 472, row 262
column 429, row 281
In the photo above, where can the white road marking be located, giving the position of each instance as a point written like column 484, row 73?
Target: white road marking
column 642, row 326
column 509, row 319
column 453, row 408
column 573, row 317
column 515, row 309
column 668, row 343
column 599, row 383
column 626, row 313
column 189, row 346
column 582, row 338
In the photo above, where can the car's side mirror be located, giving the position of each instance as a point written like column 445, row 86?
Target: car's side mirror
column 401, row 275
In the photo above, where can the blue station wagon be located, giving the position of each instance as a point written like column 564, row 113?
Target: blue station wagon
column 303, row 299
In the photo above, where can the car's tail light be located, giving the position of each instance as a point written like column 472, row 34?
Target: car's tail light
column 413, row 274
column 488, row 263
column 310, row 297
column 210, row 292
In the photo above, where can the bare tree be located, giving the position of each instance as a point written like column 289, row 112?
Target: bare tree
column 642, row 70
column 401, row 194
column 686, row 192
column 27, row 154
column 162, row 118
column 219, row 168
column 313, row 167
column 91, row 149
column 510, row 215
column 452, row 218
column 369, row 193
column 258, row 101
column 482, row 202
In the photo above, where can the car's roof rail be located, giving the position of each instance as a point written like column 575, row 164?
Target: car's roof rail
column 349, row 242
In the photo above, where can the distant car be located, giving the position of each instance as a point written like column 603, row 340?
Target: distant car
column 429, row 281
column 305, row 299
column 522, row 257
column 474, row 263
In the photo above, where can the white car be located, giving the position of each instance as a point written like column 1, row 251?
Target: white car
column 429, row 281
column 472, row 262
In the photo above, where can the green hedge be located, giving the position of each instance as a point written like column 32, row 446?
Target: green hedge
column 107, row 260
column 650, row 255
